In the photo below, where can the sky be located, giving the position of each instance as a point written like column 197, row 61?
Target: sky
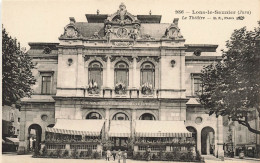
column 44, row 20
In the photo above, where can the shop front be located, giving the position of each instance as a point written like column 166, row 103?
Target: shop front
column 162, row 136
column 70, row 135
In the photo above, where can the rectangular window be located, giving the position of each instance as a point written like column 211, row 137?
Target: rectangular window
column 122, row 77
column 96, row 76
column 46, row 85
column 18, row 119
column 148, row 77
column 196, row 85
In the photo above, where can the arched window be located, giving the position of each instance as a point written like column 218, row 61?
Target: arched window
column 147, row 116
column 94, row 115
column 121, row 73
column 147, row 73
column 120, row 116
column 95, row 73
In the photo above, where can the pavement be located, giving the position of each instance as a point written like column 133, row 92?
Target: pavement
column 14, row 158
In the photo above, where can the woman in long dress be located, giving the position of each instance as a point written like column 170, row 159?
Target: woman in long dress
column 119, row 155
column 124, row 156
column 108, row 154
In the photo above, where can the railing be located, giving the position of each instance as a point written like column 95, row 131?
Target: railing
column 129, row 93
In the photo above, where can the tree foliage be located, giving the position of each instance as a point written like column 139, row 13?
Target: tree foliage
column 231, row 86
column 17, row 77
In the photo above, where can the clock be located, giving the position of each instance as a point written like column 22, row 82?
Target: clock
column 71, row 32
column 121, row 32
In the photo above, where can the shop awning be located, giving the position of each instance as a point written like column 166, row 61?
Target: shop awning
column 15, row 141
column 77, row 127
column 119, row 129
column 148, row 128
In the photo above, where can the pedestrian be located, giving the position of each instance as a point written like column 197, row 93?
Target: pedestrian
column 119, row 155
column 124, row 157
column 108, row 155
column 114, row 154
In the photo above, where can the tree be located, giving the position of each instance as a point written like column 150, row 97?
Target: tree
column 17, row 77
column 231, row 86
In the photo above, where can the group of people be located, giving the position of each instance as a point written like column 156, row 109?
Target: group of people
column 116, row 154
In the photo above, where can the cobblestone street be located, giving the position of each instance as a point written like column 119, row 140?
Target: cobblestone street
column 13, row 158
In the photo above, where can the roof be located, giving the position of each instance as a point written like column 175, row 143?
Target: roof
column 154, row 30
column 88, row 29
column 38, row 98
column 88, row 127
column 96, row 18
column 148, row 128
column 149, row 18
column 201, row 47
column 119, row 129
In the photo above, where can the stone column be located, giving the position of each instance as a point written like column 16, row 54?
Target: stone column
column 199, row 141
column 220, row 137
column 134, row 72
column 134, row 79
column 106, row 122
column 59, row 75
column 133, row 122
column 108, row 84
column 80, row 73
column 23, row 136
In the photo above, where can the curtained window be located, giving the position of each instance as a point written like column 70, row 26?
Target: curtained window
column 147, row 116
column 147, row 73
column 197, row 85
column 120, row 116
column 94, row 115
column 121, row 73
column 95, row 73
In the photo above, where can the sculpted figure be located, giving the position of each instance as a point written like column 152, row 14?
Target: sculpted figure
column 108, row 32
column 135, row 32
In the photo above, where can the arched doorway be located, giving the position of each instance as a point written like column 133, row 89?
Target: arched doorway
column 207, row 140
column 146, row 116
column 35, row 136
column 194, row 133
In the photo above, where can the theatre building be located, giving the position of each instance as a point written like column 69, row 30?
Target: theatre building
column 120, row 78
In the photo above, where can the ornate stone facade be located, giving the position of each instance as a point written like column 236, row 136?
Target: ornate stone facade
column 122, row 49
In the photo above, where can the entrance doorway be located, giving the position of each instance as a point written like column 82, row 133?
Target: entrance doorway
column 35, row 136
column 119, row 143
column 194, row 133
column 207, row 141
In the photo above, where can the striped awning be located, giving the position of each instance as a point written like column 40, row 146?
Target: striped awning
column 119, row 129
column 77, row 127
column 148, row 128
column 15, row 141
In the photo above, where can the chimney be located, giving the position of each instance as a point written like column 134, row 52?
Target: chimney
column 175, row 21
column 72, row 20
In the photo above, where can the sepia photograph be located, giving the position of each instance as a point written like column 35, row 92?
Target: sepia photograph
column 130, row 81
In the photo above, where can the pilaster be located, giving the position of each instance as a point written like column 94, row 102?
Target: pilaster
column 133, row 122
column 220, row 137
column 80, row 72
column 107, row 110
column 199, row 141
